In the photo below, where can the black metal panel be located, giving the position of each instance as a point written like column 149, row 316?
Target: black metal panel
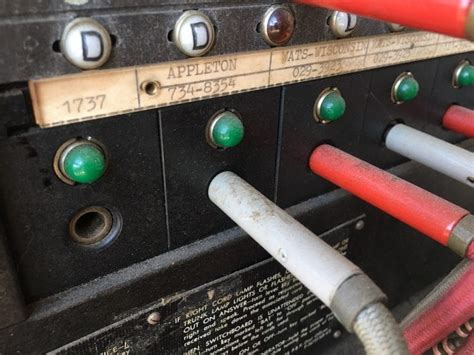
column 411, row 262
column 301, row 133
column 15, row 115
column 261, row 309
column 79, row 311
column 72, row 292
column 12, row 305
column 190, row 162
column 38, row 206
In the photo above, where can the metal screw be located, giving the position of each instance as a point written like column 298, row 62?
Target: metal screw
column 151, row 87
column 153, row 318
column 337, row 334
column 360, row 225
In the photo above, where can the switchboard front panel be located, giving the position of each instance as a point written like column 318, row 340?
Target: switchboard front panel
column 218, row 177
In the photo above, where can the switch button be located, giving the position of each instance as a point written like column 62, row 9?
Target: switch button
column 194, row 33
column 86, row 43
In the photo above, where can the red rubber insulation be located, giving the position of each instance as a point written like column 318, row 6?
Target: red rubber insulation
column 442, row 16
column 453, row 308
column 470, row 251
column 459, row 119
column 468, row 347
column 420, row 209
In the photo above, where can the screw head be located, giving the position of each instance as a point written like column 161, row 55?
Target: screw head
column 360, row 225
column 153, row 318
column 150, row 87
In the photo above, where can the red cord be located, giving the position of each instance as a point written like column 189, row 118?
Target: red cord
column 442, row 16
column 455, row 307
column 470, row 251
column 468, row 347
column 459, row 119
column 427, row 213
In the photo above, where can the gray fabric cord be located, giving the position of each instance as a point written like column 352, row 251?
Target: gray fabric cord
column 379, row 332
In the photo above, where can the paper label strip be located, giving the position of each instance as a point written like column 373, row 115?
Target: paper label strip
column 97, row 94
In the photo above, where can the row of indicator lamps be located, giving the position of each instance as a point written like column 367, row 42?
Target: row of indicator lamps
column 84, row 160
column 330, row 105
column 86, row 43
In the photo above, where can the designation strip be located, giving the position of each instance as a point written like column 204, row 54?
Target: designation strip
column 96, row 94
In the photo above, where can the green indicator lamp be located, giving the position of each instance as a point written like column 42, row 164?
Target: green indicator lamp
column 225, row 130
column 405, row 88
column 330, row 106
column 80, row 161
column 463, row 75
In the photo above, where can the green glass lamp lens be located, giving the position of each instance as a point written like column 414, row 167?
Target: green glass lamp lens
column 466, row 76
column 227, row 131
column 332, row 107
column 84, row 164
column 407, row 89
